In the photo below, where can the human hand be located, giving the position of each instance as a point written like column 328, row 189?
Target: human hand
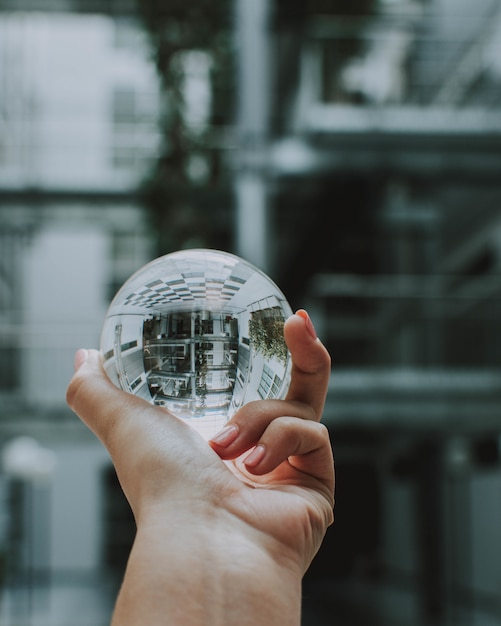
column 263, row 486
column 290, row 464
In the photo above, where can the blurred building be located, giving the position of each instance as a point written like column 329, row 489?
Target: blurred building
column 365, row 159
column 78, row 131
column 384, row 197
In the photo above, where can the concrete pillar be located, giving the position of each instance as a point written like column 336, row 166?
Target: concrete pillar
column 252, row 228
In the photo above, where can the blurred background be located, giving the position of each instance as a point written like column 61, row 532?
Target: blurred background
column 352, row 150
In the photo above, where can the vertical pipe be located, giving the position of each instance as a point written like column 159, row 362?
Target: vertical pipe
column 430, row 507
column 193, row 364
column 252, row 44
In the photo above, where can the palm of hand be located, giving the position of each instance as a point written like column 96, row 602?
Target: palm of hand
column 287, row 505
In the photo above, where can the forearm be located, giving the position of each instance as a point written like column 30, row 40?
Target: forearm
column 192, row 574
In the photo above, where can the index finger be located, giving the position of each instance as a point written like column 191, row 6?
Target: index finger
column 311, row 363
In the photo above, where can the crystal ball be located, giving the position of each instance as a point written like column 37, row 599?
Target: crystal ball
column 199, row 332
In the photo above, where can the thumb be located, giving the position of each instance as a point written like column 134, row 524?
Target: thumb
column 311, row 363
column 95, row 399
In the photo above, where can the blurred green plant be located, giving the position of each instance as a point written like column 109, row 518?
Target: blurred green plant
column 187, row 192
column 266, row 334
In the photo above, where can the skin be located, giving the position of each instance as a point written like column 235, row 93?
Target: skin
column 225, row 529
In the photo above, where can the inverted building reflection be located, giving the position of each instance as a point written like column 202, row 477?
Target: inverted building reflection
column 191, row 359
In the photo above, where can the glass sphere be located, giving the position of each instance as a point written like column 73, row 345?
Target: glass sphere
column 199, row 332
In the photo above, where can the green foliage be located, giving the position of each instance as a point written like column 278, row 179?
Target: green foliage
column 266, row 334
column 186, row 212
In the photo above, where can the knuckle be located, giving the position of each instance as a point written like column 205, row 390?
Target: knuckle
column 74, row 390
column 323, row 431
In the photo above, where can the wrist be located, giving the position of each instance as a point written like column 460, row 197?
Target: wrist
column 208, row 569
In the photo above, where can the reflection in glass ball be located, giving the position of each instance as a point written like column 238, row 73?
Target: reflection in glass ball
column 199, row 332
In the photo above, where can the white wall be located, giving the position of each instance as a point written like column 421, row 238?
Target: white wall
column 60, row 74
column 76, row 511
column 65, row 274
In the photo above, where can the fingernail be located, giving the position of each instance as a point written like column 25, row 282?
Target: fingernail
column 225, row 436
column 255, row 457
column 80, row 358
column 308, row 323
